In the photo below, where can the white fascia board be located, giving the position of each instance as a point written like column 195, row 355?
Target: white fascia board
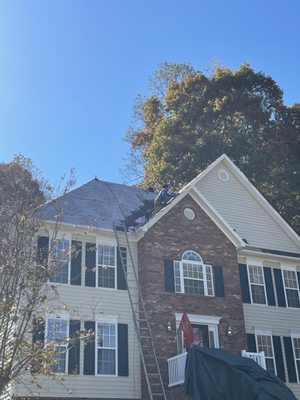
column 262, row 201
column 267, row 256
column 217, row 218
column 94, row 231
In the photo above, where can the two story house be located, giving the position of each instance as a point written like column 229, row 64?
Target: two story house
column 218, row 252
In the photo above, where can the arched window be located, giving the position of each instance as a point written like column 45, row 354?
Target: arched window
column 191, row 256
column 192, row 275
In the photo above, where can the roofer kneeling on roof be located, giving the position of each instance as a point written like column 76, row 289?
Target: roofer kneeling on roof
column 163, row 196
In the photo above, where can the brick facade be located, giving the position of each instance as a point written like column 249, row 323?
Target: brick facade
column 168, row 239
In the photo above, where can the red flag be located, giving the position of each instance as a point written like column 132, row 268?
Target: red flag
column 187, row 329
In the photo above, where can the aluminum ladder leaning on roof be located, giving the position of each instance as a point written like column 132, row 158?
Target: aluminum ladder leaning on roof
column 141, row 323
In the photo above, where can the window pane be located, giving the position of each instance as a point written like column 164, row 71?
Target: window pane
column 293, row 298
column 57, row 329
column 258, row 294
column 177, row 276
column 297, row 347
column 201, row 334
column 193, row 271
column 290, row 279
column 209, row 280
column 193, row 286
column 106, row 277
column 264, row 343
column 270, row 365
column 106, row 255
column 60, row 261
column 211, row 340
column 106, row 362
column 61, row 273
column 61, row 250
column 256, row 274
column 106, row 335
column 60, row 354
column 191, row 256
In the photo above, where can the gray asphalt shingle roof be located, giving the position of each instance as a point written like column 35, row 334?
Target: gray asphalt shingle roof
column 98, row 204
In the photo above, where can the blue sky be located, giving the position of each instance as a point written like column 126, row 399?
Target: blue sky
column 70, row 70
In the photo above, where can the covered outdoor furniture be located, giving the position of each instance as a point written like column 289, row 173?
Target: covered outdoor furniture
column 213, row 374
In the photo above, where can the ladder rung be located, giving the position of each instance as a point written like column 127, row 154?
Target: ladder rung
column 142, row 326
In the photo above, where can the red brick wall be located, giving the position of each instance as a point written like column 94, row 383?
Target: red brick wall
column 169, row 238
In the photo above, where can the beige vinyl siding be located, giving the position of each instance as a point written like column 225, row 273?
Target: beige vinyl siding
column 243, row 212
column 84, row 303
column 280, row 321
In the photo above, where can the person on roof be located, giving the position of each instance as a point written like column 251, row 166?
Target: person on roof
column 163, row 197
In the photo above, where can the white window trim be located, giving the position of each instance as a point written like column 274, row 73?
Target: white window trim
column 112, row 244
column 61, row 236
column 211, row 321
column 182, row 290
column 108, row 319
column 295, row 336
column 294, row 269
column 261, row 332
column 65, row 317
column 256, row 263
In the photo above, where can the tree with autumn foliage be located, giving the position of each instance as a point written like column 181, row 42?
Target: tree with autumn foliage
column 23, row 271
column 191, row 118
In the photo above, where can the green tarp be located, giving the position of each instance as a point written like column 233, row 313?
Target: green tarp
column 213, row 374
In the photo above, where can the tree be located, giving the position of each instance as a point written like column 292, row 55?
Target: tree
column 198, row 117
column 23, row 272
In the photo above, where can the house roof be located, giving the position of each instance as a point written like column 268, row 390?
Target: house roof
column 102, row 204
column 98, row 204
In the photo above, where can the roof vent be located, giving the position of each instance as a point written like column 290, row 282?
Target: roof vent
column 223, row 175
column 189, row 214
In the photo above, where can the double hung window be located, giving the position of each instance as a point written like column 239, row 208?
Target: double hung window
column 265, row 343
column 191, row 275
column 106, row 266
column 57, row 334
column 60, row 261
column 291, row 287
column 106, row 348
column 257, row 283
column 296, row 349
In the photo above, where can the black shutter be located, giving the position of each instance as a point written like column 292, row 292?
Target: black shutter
column 269, row 286
column 251, row 344
column 43, row 250
column 74, row 347
column 121, row 281
column 278, row 357
column 244, row 283
column 169, row 276
column 279, row 288
column 90, row 264
column 289, row 357
column 76, row 263
column 218, row 281
column 89, row 350
column 298, row 276
column 123, row 350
